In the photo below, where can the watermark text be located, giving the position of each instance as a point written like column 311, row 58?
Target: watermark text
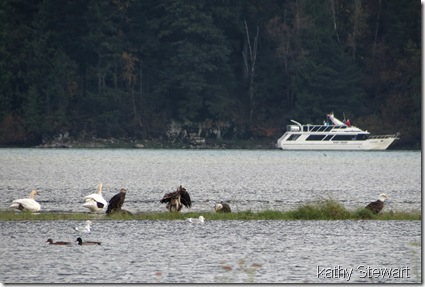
column 362, row 271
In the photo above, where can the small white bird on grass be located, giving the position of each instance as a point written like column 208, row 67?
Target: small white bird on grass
column 85, row 228
column 200, row 220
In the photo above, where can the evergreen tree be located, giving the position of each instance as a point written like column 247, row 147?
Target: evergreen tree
column 194, row 56
column 116, row 68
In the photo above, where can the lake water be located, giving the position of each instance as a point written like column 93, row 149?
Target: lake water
column 233, row 251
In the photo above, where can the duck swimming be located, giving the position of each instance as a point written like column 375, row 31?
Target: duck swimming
column 80, row 242
column 58, row 242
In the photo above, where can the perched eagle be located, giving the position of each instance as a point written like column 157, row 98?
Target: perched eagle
column 175, row 200
column 378, row 205
column 116, row 202
column 222, row 207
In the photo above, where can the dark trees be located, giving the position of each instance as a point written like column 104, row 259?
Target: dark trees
column 121, row 68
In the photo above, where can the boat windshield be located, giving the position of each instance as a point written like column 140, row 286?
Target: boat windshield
column 314, row 128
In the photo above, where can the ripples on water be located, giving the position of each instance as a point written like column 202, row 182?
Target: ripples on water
column 215, row 252
column 218, row 251
column 250, row 180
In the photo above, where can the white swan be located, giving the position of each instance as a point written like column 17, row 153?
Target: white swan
column 201, row 220
column 95, row 201
column 27, row 204
column 85, row 228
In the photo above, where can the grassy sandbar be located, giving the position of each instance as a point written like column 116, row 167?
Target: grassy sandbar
column 324, row 210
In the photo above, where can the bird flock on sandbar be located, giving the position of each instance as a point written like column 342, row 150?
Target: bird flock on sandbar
column 174, row 203
column 96, row 203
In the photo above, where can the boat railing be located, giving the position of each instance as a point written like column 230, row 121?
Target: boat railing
column 321, row 128
column 392, row 136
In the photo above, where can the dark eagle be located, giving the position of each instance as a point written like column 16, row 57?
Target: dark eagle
column 377, row 206
column 222, row 207
column 175, row 200
column 116, row 202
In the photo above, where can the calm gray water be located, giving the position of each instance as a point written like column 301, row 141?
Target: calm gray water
column 217, row 251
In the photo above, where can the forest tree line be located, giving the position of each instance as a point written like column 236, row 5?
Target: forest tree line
column 127, row 68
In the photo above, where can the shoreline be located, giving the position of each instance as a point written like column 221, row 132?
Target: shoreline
column 157, row 144
column 130, row 143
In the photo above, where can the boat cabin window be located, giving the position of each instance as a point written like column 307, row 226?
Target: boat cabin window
column 310, row 128
column 362, row 137
column 293, row 137
column 315, row 138
column 344, row 137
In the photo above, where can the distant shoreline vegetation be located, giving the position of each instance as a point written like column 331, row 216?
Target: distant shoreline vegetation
column 112, row 143
column 324, row 210
column 157, row 144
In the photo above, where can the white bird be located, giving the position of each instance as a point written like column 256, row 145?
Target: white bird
column 85, row 228
column 201, row 220
column 95, row 201
column 27, row 204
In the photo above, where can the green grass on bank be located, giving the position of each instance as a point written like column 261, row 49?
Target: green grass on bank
column 323, row 210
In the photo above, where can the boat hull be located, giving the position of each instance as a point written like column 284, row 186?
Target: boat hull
column 370, row 144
